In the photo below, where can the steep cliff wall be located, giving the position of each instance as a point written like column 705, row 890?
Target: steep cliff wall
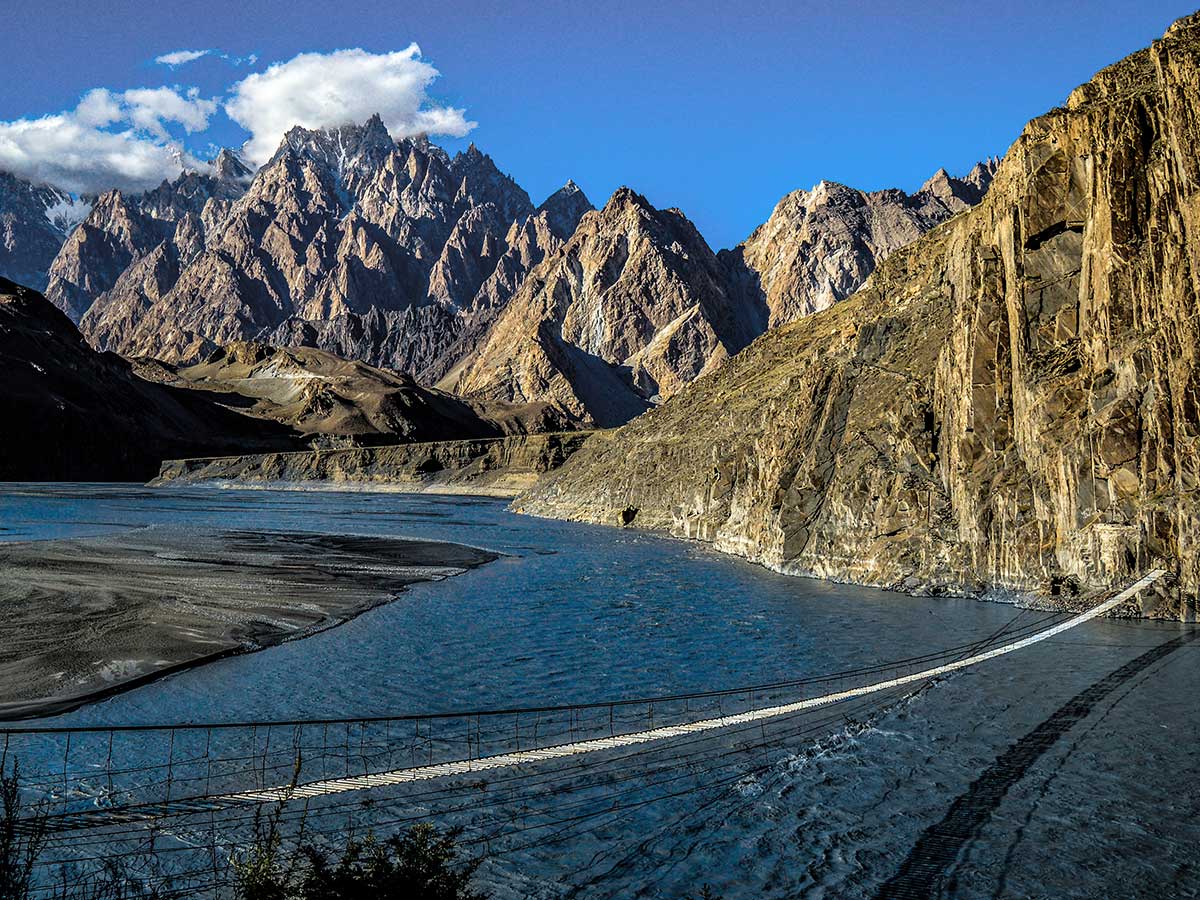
column 498, row 467
column 1010, row 403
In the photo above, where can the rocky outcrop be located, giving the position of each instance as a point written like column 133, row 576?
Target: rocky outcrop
column 70, row 413
column 498, row 467
column 820, row 246
column 34, row 222
column 1010, row 404
column 336, row 402
column 628, row 311
column 398, row 255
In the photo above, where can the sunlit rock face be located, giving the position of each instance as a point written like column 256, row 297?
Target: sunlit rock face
column 399, row 255
column 133, row 245
column 820, row 246
column 630, row 309
column 391, row 252
column 1010, row 403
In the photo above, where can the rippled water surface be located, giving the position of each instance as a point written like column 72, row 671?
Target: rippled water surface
column 1066, row 769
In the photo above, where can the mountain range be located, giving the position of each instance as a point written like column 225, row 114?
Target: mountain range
column 1010, row 404
column 989, row 385
column 397, row 255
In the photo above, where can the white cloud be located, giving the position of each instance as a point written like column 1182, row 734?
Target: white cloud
column 149, row 108
column 180, row 57
column 127, row 139
column 109, row 140
column 318, row 90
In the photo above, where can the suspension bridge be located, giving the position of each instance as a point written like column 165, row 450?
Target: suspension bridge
column 193, row 791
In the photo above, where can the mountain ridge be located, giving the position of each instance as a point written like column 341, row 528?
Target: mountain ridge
column 1007, row 405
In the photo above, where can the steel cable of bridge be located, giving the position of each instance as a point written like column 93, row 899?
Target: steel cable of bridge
column 339, row 807
column 497, row 835
column 512, row 711
column 258, row 757
column 671, row 765
column 733, row 729
column 557, row 838
column 1000, row 631
column 109, row 836
column 772, row 770
column 639, row 775
column 592, row 814
column 734, row 778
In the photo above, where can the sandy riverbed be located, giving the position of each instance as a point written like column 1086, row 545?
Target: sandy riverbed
column 86, row 617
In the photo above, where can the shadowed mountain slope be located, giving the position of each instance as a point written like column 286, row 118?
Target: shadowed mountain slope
column 71, row 413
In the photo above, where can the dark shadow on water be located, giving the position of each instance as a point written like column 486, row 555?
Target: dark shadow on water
column 924, row 873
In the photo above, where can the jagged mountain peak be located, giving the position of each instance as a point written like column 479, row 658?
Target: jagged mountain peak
column 34, row 221
column 568, row 193
column 480, row 181
column 998, row 410
column 564, row 208
column 631, row 308
column 625, row 196
column 422, row 144
column 227, row 165
column 960, row 193
column 339, row 147
column 820, row 246
column 826, row 192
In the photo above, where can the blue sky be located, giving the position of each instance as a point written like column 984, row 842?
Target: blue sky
column 716, row 108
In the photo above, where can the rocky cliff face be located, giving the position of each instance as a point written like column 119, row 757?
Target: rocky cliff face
column 630, row 309
column 1011, row 403
column 498, row 467
column 398, row 255
column 820, row 246
column 71, row 413
column 34, row 222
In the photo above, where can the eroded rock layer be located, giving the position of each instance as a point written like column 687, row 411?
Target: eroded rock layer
column 496, row 467
column 390, row 252
column 1011, row 403
column 820, row 246
column 337, row 402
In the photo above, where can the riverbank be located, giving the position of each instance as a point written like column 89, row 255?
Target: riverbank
column 495, row 467
column 90, row 617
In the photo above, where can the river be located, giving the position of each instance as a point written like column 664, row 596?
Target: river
column 1065, row 769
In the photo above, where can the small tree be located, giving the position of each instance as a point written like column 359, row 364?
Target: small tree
column 261, row 872
column 22, row 839
column 113, row 880
column 421, row 864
